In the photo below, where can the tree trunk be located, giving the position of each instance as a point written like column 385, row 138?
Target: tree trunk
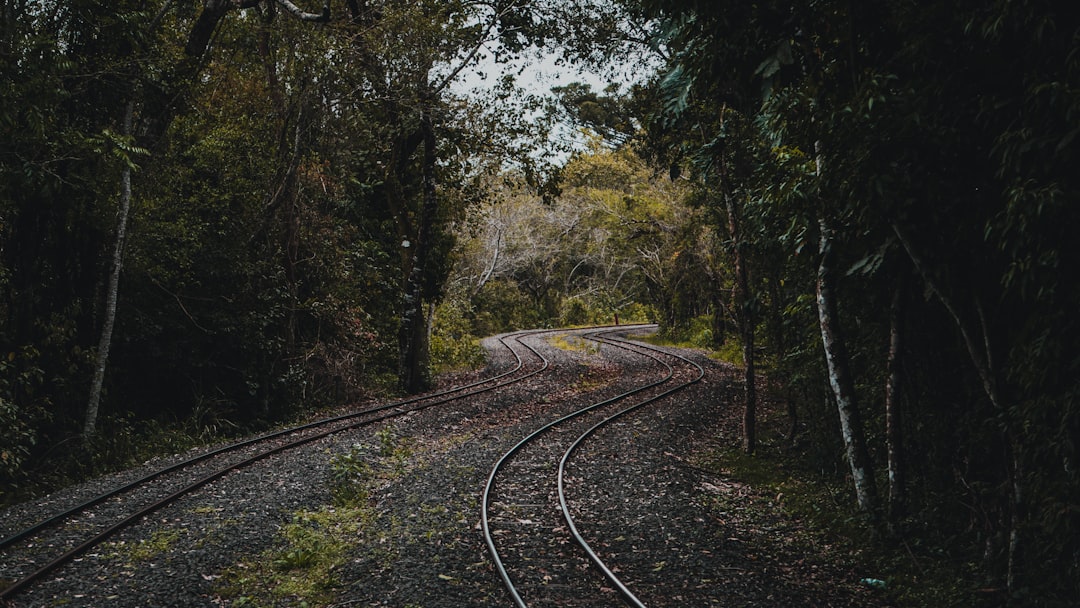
column 747, row 324
column 90, row 423
column 893, row 414
column 414, row 355
column 840, row 381
column 975, row 333
column 490, row 270
column 719, row 316
column 779, row 348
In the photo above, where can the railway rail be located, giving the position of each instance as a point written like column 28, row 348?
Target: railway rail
column 244, row 453
column 534, row 457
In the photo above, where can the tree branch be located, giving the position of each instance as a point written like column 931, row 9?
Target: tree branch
column 481, row 41
column 299, row 13
column 981, row 359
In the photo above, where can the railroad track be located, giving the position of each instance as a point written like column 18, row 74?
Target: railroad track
column 526, row 497
column 74, row 531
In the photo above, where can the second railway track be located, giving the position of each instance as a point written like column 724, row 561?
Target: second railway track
column 528, row 523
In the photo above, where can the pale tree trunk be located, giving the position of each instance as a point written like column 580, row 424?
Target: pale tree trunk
column 840, row 381
column 490, row 270
column 894, row 436
column 90, row 424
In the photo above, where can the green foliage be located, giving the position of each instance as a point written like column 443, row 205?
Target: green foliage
column 302, row 568
column 143, row 551
column 698, row 333
column 303, row 565
column 918, row 574
column 352, row 472
column 349, row 473
column 453, row 345
column 500, row 306
column 19, row 376
column 614, row 242
column 264, row 272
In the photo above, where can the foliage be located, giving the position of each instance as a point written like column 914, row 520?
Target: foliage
column 310, row 550
column 941, row 156
column 453, row 344
column 302, row 568
column 137, row 553
column 18, row 425
column 612, row 243
column 916, row 575
column 264, row 273
column 349, row 473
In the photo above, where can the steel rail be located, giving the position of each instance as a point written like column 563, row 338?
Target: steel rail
column 394, row 410
column 56, row 518
column 485, row 523
column 564, row 504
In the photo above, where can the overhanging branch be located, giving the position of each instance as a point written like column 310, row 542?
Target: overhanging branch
column 299, row 13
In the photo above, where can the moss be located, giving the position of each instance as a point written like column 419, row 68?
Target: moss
column 303, row 565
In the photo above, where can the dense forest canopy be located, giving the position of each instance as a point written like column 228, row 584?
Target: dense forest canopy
column 223, row 214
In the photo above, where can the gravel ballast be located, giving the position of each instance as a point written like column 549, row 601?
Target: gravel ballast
column 677, row 535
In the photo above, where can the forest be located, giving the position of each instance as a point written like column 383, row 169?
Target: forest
column 223, row 215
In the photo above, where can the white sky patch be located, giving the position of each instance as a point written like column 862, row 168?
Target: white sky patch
column 535, row 73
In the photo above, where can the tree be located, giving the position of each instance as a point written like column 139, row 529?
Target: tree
column 410, row 57
column 113, row 289
column 609, row 244
column 943, row 146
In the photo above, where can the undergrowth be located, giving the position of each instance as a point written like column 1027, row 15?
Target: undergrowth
column 913, row 567
column 303, row 567
column 123, row 442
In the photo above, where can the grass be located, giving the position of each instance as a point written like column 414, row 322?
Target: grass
column 574, row 344
column 302, row 567
column 159, row 543
column 304, row 564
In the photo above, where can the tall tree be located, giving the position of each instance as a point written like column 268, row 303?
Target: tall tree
column 947, row 147
column 113, row 288
column 840, row 377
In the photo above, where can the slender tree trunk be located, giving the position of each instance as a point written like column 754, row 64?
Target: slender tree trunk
column 486, row 276
column 90, row 423
column 719, row 316
column 840, row 381
column 743, row 305
column 893, row 415
column 975, row 333
column 291, row 253
column 747, row 324
column 779, row 347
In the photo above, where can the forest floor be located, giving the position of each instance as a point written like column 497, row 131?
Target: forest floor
column 390, row 516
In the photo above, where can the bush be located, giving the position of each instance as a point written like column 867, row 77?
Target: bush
column 453, row 345
column 19, row 374
column 502, row 306
column 697, row 332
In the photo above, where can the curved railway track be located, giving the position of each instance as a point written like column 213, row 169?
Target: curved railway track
column 194, row 473
column 527, row 471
